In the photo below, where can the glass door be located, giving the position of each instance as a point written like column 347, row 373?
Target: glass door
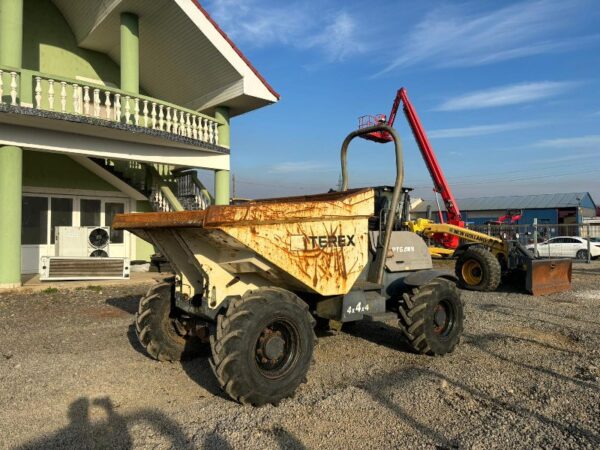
column 34, row 232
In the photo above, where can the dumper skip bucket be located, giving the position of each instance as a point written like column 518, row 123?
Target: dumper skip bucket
column 548, row 276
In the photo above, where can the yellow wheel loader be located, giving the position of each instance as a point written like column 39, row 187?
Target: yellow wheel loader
column 252, row 279
column 482, row 260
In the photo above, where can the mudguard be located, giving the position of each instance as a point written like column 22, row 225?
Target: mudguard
column 422, row 277
column 398, row 283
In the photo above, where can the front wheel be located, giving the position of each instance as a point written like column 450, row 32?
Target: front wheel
column 263, row 346
column 431, row 317
column 478, row 269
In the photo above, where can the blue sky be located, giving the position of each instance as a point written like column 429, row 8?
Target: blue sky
column 509, row 93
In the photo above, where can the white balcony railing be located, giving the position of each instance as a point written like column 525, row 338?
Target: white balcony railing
column 11, row 88
column 101, row 102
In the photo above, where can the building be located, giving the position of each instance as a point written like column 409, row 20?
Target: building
column 570, row 208
column 104, row 108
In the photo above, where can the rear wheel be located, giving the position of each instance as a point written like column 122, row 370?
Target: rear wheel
column 263, row 346
column 160, row 327
column 582, row 255
column 431, row 317
column 478, row 269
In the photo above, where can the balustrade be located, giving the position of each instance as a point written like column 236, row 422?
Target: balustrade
column 77, row 98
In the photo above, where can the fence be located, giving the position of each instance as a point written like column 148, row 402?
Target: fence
column 577, row 241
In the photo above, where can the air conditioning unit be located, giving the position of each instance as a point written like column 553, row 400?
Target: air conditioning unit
column 55, row 268
column 82, row 241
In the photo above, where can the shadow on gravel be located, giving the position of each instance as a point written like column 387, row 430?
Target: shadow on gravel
column 481, row 341
column 508, row 311
column 198, row 369
column 111, row 432
column 379, row 333
column 378, row 387
column 129, row 303
column 491, row 337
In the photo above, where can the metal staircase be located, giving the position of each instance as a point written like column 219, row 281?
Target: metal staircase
column 165, row 188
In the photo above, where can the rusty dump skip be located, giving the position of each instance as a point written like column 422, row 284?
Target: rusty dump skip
column 267, row 211
column 548, row 276
column 317, row 243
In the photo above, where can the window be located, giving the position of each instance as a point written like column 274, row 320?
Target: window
column 571, row 241
column 90, row 213
column 110, row 210
column 35, row 221
column 61, row 214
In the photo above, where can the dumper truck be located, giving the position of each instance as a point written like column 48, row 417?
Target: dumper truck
column 252, row 279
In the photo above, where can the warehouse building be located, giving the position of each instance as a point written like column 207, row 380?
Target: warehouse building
column 569, row 208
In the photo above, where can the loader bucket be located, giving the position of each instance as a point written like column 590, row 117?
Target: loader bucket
column 548, row 276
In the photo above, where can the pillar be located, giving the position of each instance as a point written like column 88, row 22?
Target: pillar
column 11, row 170
column 130, row 53
column 11, row 33
column 222, row 182
column 11, row 158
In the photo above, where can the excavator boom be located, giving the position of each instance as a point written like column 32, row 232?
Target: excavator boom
column 440, row 184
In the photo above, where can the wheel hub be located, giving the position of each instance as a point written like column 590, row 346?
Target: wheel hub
column 440, row 316
column 276, row 349
column 443, row 318
column 472, row 273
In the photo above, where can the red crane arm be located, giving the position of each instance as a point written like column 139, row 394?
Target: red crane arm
column 435, row 170
column 437, row 175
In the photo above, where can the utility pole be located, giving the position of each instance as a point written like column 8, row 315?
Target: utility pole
column 233, row 185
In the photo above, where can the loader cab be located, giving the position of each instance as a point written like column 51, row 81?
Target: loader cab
column 383, row 198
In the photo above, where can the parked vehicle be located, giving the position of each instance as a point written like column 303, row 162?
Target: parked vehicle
column 251, row 280
column 595, row 241
column 566, row 247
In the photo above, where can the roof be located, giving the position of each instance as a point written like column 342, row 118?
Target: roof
column 185, row 57
column 540, row 201
column 236, row 49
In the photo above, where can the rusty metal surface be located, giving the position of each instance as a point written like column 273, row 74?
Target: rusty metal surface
column 317, row 243
column 548, row 276
column 276, row 210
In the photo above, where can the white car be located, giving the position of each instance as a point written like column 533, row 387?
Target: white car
column 565, row 247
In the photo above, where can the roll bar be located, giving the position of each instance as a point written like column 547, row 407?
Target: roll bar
column 378, row 266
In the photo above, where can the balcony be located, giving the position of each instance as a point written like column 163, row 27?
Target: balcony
column 36, row 100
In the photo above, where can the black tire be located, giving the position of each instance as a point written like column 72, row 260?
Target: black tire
column 427, row 330
column 265, row 320
column 159, row 330
column 582, row 255
column 477, row 269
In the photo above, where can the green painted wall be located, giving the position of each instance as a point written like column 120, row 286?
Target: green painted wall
column 143, row 250
column 54, row 170
column 10, row 216
column 49, row 46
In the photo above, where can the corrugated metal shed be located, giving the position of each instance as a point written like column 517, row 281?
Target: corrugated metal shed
column 541, row 201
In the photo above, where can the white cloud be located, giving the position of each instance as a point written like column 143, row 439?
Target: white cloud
column 256, row 23
column 591, row 142
column 261, row 23
column 339, row 38
column 289, row 167
column 451, row 36
column 506, row 95
column 480, row 130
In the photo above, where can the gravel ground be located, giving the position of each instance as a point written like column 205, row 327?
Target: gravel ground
column 526, row 375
